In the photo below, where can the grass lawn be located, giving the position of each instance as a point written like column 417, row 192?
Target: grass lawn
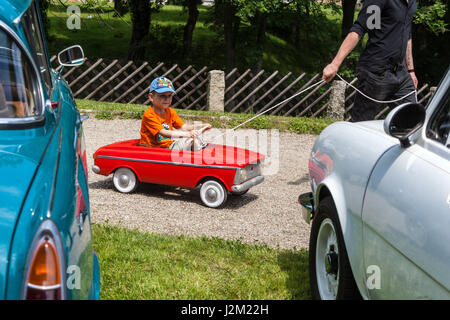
column 300, row 125
column 137, row 265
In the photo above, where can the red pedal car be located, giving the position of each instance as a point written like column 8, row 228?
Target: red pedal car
column 218, row 169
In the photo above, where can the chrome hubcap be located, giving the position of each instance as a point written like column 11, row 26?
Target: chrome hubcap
column 327, row 261
column 211, row 194
column 124, row 181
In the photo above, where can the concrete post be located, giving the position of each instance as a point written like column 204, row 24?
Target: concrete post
column 336, row 108
column 215, row 98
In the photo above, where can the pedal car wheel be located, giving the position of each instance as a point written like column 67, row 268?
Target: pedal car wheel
column 125, row 180
column 213, row 193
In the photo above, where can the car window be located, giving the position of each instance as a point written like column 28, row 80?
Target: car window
column 439, row 128
column 30, row 22
column 18, row 88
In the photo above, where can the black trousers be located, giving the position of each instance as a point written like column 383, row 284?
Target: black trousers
column 388, row 85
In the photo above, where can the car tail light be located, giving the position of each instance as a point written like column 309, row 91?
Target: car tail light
column 45, row 266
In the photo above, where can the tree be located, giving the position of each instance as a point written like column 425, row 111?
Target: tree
column 225, row 14
column 431, row 40
column 120, row 7
column 256, row 14
column 190, row 25
column 141, row 11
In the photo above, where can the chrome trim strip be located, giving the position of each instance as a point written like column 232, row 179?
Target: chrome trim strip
column 37, row 77
column 55, row 175
column 33, row 286
column 168, row 162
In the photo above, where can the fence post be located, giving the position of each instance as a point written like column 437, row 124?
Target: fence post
column 215, row 98
column 336, row 106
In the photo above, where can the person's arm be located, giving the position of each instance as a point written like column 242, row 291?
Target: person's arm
column 177, row 133
column 409, row 63
column 195, row 126
column 349, row 43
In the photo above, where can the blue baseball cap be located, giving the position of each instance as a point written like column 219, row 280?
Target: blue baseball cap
column 162, row 84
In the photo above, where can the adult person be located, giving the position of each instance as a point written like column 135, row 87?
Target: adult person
column 385, row 68
column 160, row 119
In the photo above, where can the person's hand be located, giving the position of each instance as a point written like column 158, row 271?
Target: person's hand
column 329, row 72
column 207, row 127
column 194, row 133
column 414, row 78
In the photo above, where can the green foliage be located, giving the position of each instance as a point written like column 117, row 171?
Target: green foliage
column 432, row 17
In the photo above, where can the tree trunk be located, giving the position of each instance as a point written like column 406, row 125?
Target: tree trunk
column 190, row 26
column 348, row 10
column 140, row 18
column 229, row 12
column 120, row 7
column 260, row 39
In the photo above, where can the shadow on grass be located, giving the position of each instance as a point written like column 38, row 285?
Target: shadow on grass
column 295, row 264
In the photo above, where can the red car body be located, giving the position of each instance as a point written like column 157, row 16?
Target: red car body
column 183, row 168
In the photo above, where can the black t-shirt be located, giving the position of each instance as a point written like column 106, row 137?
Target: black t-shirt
column 388, row 23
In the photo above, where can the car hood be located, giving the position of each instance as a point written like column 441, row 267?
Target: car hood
column 374, row 125
column 231, row 156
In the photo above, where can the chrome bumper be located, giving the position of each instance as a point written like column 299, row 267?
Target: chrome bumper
column 247, row 184
column 306, row 200
column 95, row 168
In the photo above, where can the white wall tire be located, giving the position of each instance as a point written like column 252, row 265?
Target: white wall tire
column 330, row 273
column 213, row 194
column 125, row 180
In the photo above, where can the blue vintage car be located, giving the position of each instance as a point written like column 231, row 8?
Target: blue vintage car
column 380, row 205
column 45, row 232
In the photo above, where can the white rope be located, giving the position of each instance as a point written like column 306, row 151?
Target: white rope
column 375, row 100
column 309, row 88
column 271, row 108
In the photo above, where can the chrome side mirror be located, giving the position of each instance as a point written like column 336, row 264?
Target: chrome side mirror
column 404, row 121
column 71, row 57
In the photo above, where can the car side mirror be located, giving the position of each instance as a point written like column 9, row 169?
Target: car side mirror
column 403, row 121
column 72, row 56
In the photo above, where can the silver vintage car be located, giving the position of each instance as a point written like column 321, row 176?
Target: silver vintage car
column 380, row 205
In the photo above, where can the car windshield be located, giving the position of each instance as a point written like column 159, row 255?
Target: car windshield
column 18, row 91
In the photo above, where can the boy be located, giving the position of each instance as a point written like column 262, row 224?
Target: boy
column 159, row 120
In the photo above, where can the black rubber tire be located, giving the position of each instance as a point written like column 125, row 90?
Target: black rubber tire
column 347, row 288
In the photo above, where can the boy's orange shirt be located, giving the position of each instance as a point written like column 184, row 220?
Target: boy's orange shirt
column 153, row 123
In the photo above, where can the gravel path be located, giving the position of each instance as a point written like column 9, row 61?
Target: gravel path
column 267, row 214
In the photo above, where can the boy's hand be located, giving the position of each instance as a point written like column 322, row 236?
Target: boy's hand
column 194, row 133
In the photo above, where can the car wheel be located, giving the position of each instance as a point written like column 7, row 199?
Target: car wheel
column 330, row 274
column 240, row 193
column 125, row 180
column 213, row 193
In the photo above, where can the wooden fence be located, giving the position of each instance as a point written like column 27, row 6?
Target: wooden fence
column 248, row 91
